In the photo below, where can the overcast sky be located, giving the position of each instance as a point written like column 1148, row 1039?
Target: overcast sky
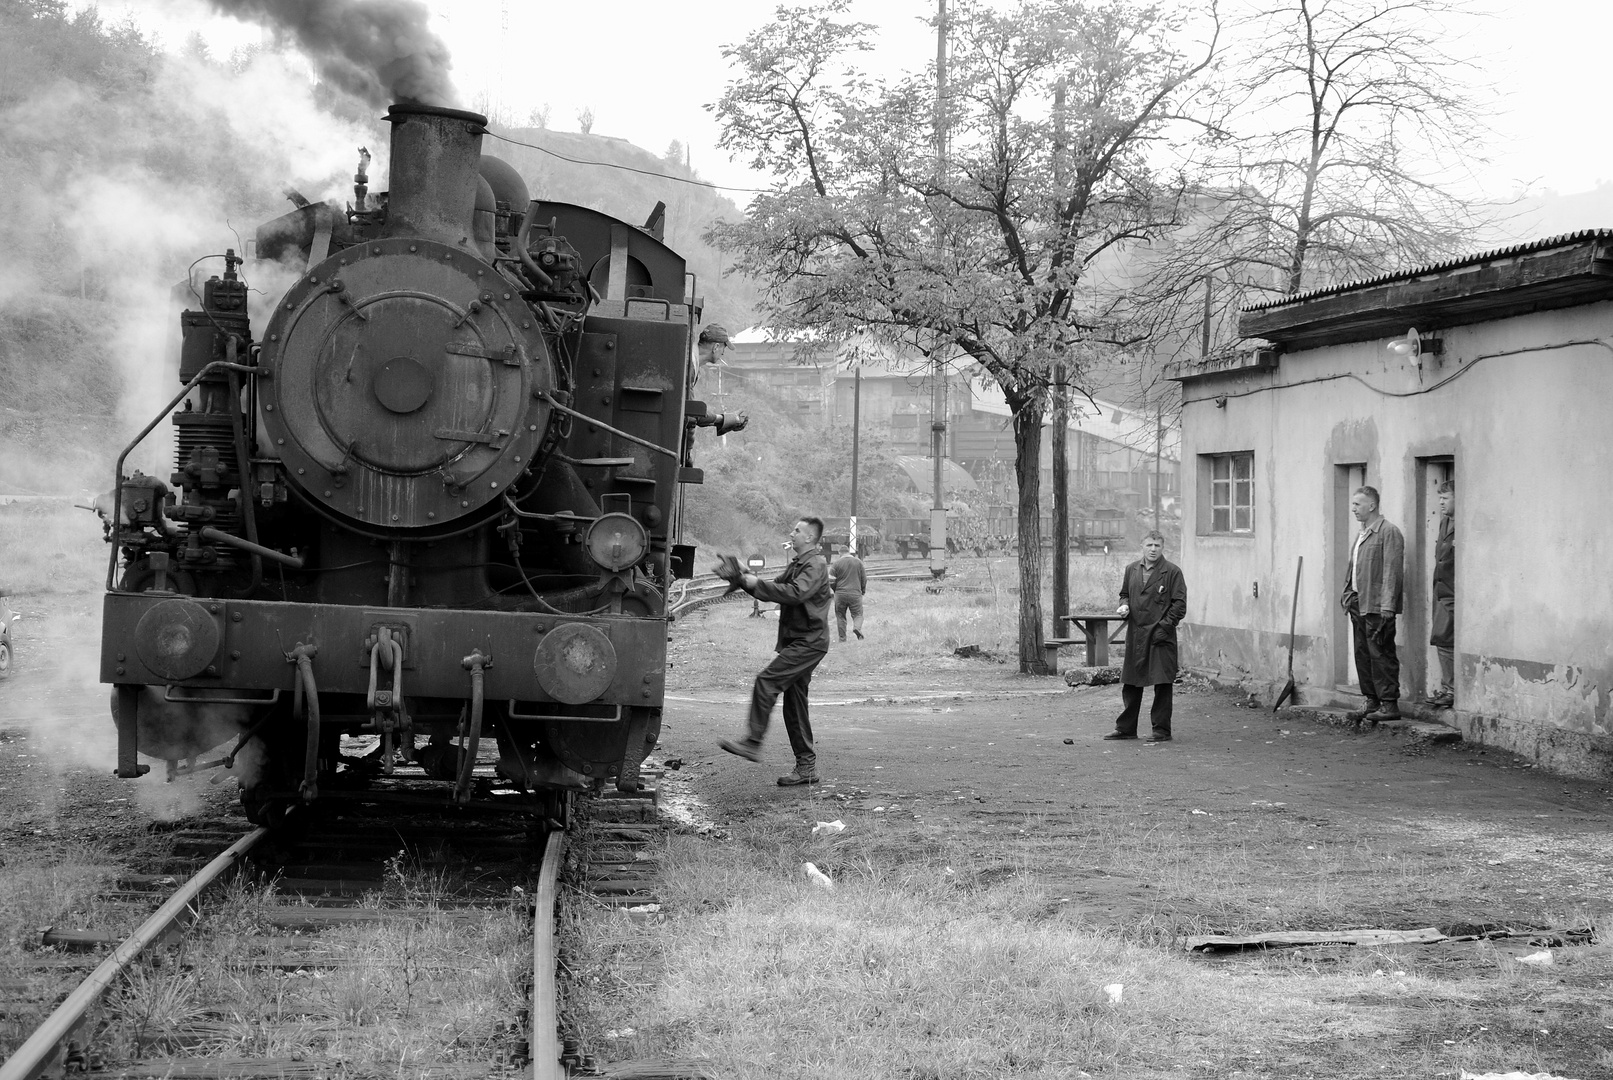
column 647, row 69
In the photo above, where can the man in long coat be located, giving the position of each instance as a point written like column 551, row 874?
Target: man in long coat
column 1153, row 599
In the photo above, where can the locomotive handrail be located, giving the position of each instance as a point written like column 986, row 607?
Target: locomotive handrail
column 576, row 519
column 618, row 432
column 117, row 487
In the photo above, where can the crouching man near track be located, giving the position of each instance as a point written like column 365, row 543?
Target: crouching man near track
column 803, row 594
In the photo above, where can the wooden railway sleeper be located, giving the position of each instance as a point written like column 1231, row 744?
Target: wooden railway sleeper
column 306, row 696
column 475, row 663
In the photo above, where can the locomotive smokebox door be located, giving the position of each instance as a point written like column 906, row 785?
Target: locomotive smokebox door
column 407, row 382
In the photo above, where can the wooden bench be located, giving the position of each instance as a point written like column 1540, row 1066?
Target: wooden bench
column 1094, row 627
column 1050, row 650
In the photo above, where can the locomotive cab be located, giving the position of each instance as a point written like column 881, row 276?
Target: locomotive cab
column 436, row 502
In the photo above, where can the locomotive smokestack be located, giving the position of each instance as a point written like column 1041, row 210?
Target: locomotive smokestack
column 434, row 172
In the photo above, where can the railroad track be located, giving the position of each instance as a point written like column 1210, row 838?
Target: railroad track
column 353, row 935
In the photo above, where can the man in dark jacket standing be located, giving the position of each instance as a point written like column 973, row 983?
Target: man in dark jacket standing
column 1373, row 595
column 803, row 594
column 1442, row 627
column 1153, row 599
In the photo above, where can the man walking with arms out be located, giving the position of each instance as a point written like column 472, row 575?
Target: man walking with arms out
column 850, row 585
column 803, row 594
column 1373, row 596
column 1153, row 599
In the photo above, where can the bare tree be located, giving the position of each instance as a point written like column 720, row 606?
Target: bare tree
column 585, row 119
column 1346, row 153
column 538, row 117
column 973, row 250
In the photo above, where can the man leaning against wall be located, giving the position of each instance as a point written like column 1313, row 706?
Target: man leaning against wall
column 1373, row 597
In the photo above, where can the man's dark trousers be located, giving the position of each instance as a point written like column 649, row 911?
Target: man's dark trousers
column 1377, row 667
column 1159, row 717
column 789, row 674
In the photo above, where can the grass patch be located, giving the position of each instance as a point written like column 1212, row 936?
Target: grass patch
column 50, row 548
column 905, row 623
column 930, row 962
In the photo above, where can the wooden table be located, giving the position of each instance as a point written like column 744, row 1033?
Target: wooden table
column 1094, row 627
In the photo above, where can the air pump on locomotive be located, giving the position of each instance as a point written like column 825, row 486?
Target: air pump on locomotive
column 436, row 499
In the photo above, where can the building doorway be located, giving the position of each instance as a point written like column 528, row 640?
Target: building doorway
column 1422, row 669
column 1346, row 478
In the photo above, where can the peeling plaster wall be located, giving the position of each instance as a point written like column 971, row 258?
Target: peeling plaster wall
column 1526, row 419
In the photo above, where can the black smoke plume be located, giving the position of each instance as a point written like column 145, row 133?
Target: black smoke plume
column 380, row 51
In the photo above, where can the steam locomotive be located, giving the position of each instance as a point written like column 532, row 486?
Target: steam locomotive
column 437, row 501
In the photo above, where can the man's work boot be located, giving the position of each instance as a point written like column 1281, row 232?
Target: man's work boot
column 795, row 778
column 1355, row 716
column 1443, row 701
column 1389, row 710
column 859, row 634
column 749, row 749
column 1113, row 735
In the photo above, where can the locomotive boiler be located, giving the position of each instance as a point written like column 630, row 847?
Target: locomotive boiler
column 435, row 499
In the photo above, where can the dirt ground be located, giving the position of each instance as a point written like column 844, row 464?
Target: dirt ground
column 969, row 744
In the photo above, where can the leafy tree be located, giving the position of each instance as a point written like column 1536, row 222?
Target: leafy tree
column 585, row 119
column 976, row 252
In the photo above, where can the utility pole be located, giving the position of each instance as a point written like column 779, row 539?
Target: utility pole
column 1159, row 437
column 938, row 423
column 1061, row 499
column 856, row 427
column 1061, row 416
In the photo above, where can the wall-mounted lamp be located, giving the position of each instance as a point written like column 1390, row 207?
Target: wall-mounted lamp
column 1414, row 344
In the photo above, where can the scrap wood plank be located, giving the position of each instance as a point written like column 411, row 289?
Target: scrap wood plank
column 1289, row 938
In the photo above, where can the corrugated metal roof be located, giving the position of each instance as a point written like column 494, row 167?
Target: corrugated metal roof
column 1440, row 267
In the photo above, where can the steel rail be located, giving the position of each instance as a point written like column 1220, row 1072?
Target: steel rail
column 544, row 1044
column 34, row 1055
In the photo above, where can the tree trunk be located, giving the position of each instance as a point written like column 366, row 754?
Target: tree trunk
column 1028, row 470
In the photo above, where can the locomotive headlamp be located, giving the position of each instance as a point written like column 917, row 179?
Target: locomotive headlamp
column 616, row 541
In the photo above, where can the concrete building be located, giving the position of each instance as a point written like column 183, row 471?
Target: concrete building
column 1503, row 386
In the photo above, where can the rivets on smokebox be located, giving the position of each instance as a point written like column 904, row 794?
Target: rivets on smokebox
column 413, row 248
column 235, row 616
column 327, row 493
column 430, row 514
column 120, row 669
column 464, row 502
